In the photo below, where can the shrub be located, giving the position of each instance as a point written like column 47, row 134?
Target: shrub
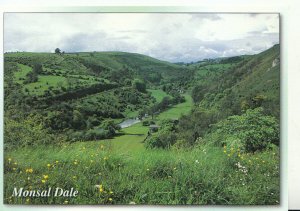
column 164, row 139
column 252, row 131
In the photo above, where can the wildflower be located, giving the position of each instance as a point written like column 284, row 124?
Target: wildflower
column 66, row 202
column 132, row 202
column 15, row 163
column 110, row 192
column 9, row 159
column 27, row 200
column 45, row 177
column 225, row 151
column 74, row 177
column 105, row 158
column 147, row 169
column 48, row 165
column 75, row 163
column 91, row 161
column 102, row 147
column 110, row 199
column 14, row 169
column 43, row 181
column 263, row 161
column 174, row 168
column 196, row 161
column 56, row 161
column 83, row 148
column 30, row 170
column 229, row 155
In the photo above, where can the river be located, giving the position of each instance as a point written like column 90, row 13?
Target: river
column 129, row 122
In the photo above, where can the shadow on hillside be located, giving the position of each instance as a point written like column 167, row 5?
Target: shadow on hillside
column 129, row 134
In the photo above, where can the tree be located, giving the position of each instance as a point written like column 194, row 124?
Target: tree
column 57, row 51
column 198, row 93
column 37, row 68
column 139, row 85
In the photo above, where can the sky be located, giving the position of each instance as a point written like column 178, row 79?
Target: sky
column 181, row 37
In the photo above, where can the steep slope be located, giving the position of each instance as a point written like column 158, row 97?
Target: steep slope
column 252, row 82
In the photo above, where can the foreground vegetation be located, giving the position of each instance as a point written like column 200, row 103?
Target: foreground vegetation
column 103, row 174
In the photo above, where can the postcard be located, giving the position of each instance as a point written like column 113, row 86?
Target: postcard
column 141, row 108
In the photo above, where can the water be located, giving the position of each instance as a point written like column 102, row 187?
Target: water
column 129, row 122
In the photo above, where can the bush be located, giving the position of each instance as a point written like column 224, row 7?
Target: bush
column 164, row 139
column 252, row 131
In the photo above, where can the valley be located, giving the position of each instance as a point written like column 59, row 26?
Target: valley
column 146, row 131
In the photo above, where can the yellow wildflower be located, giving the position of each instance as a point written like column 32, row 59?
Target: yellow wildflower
column 43, row 181
column 111, row 192
column 48, row 165
column 15, row 163
column 30, row 170
column 14, row 169
column 105, row 158
column 66, row 202
column 101, row 146
column 56, row 161
column 110, row 199
column 74, row 177
column 75, row 163
column 225, row 151
column 45, row 176
column 9, row 159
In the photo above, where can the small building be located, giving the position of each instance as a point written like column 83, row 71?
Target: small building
column 153, row 128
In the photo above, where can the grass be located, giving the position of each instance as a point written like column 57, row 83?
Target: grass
column 20, row 75
column 158, row 94
column 131, row 141
column 177, row 110
column 43, row 83
column 199, row 176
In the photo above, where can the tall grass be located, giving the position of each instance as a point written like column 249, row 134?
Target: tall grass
column 204, row 175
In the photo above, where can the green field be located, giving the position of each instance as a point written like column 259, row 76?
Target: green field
column 157, row 94
column 177, row 110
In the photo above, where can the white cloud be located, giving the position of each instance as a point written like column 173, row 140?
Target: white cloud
column 172, row 37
